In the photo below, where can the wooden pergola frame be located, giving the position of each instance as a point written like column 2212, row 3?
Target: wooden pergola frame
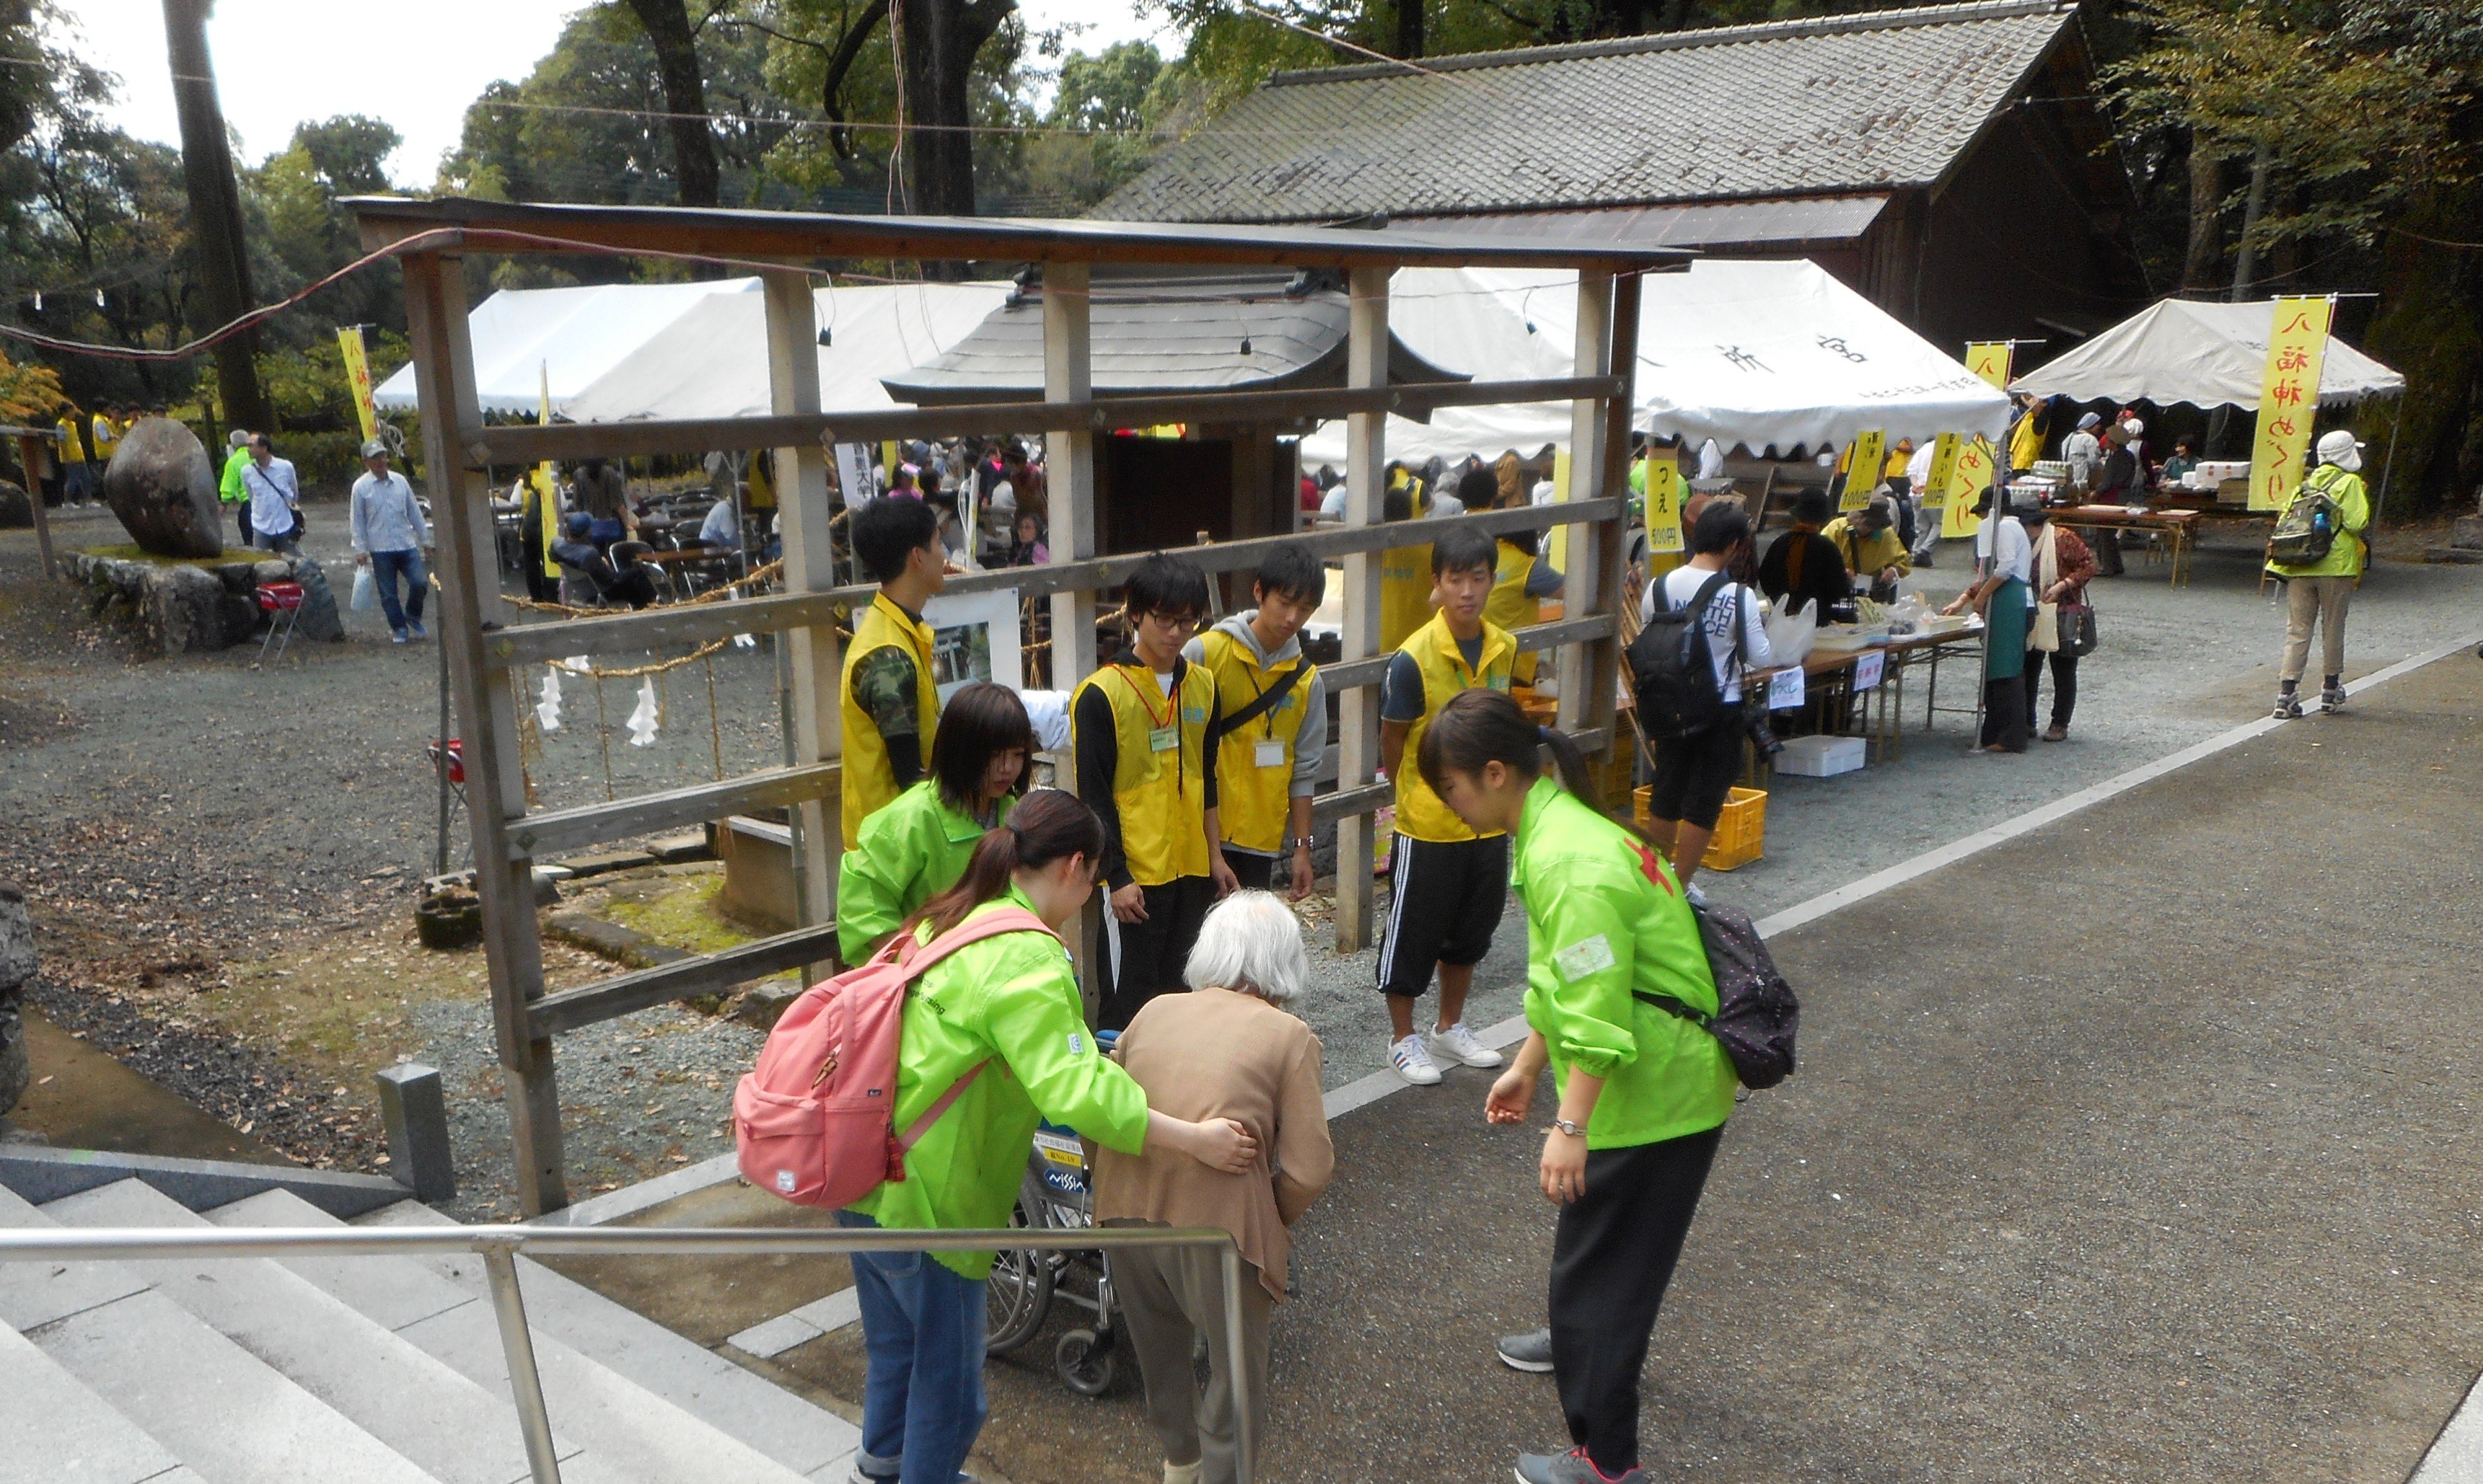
column 484, row 645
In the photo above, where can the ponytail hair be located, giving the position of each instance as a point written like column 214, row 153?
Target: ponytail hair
column 1479, row 726
column 1047, row 825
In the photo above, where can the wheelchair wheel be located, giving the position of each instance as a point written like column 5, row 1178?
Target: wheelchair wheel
column 1086, row 1364
column 1018, row 1298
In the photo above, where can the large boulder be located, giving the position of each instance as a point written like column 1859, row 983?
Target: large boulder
column 183, row 608
column 16, row 512
column 16, row 970
column 163, row 488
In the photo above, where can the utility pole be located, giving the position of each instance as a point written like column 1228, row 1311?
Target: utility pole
column 215, row 211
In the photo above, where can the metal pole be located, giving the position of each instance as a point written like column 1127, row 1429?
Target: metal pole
column 2388, row 463
column 1237, row 1359
column 526, row 1383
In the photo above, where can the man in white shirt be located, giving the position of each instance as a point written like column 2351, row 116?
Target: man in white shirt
column 1926, row 522
column 718, row 529
column 274, row 499
column 390, row 537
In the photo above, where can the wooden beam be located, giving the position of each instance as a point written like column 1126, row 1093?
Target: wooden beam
column 1072, row 576
column 469, row 593
column 1353, row 672
column 814, row 734
column 526, row 444
column 1608, row 541
column 1367, row 341
column 26, row 443
column 707, row 974
column 554, row 831
column 1587, row 470
column 689, row 624
column 1345, row 803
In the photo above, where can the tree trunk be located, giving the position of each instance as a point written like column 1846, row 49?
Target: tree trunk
column 2430, row 326
column 2246, row 261
column 668, row 28
column 1410, row 28
column 215, row 212
column 2207, row 251
column 938, row 41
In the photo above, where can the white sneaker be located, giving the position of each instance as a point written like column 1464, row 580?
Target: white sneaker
column 1459, row 1045
column 1412, row 1062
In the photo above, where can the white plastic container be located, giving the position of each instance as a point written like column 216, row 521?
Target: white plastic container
column 1821, row 756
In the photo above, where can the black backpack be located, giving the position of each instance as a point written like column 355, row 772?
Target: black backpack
column 1673, row 677
column 1756, row 1013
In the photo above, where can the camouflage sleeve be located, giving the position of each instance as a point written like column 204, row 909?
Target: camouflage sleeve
column 884, row 688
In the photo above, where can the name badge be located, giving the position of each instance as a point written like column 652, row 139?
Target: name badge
column 1269, row 754
column 1163, row 739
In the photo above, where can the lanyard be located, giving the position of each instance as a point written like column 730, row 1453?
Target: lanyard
column 1173, row 697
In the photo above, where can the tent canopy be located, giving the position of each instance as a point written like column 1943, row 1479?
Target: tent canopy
column 713, row 360
column 2207, row 355
column 1753, row 355
column 573, row 335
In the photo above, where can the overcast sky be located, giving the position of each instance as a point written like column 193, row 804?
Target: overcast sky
column 415, row 63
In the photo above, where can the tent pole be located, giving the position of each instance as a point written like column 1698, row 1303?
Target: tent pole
column 2388, row 463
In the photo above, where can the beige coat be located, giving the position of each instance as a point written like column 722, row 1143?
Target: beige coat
column 1212, row 1053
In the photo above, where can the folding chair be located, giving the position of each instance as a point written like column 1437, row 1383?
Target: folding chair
column 455, row 749
column 282, row 602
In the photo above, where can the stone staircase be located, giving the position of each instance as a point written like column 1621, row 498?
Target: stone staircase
column 357, row 1370
column 2465, row 542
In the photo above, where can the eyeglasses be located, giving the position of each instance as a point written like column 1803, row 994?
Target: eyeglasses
column 1187, row 621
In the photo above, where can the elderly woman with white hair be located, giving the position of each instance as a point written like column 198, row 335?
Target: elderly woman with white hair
column 1229, row 1048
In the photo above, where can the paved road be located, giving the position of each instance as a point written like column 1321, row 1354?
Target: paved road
column 2166, row 1169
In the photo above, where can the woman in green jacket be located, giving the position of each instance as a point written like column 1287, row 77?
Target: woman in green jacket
column 1644, row 1094
column 918, row 845
column 1008, row 1005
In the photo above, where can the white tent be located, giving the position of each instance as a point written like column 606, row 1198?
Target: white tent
column 1755, row 354
column 2207, row 355
column 711, row 361
column 575, row 334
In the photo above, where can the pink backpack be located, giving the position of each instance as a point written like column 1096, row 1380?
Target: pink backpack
column 814, row 1120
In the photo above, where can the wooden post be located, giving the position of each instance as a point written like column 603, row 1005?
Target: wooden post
column 1358, row 710
column 469, row 593
column 1603, row 662
column 802, row 504
column 26, row 443
column 1069, row 472
column 1590, row 459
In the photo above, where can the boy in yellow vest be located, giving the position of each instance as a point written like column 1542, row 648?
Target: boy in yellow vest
column 1449, row 883
column 890, row 706
column 1275, row 727
column 1144, row 731
column 1521, row 578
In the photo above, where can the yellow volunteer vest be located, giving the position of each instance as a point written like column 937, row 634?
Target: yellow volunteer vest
column 2026, row 444
column 1405, row 576
column 1420, row 813
column 1251, row 797
column 870, row 778
column 1510, row 608
column 1162, row 796
column 546, row 499
column 107, row 437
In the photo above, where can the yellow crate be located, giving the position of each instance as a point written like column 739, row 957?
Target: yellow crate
column 1740, row 830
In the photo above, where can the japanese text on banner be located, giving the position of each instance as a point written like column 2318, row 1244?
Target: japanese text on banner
column 1662, row 504
column 2288, row 399
column 1989, row 360
column 358, row 376
column 1943, row 469
column 1966, row 485
column 1868, row 456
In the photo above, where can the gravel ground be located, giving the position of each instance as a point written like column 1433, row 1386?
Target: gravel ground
column 161, row 824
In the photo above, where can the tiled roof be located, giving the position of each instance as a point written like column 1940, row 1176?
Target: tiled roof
column 1846, row 103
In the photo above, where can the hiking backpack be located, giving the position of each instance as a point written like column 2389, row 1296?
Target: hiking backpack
column 2301, row 536
column 814, row 1121
column 1673, row 677
column 1756, row 1014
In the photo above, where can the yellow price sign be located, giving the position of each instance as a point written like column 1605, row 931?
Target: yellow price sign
column 1943, row 469
column 2288, row 399
column 1862, row 469
column 1663, row 505
column 1989, row 360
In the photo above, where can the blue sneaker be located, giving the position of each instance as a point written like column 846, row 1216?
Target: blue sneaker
column 396, row 636
column 415, row 628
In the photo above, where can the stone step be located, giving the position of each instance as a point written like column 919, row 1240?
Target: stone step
column 55, row 1431
column 2466, row 555
column 451, row 1427
column 204, row 1399
column 804, row 1437
column 630, row 1433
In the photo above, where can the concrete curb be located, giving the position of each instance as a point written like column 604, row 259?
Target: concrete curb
column 42, row 1176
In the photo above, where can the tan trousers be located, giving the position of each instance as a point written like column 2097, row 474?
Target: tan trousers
column 2321, row 599
column 1168, row 1296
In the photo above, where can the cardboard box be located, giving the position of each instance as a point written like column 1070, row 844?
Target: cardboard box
column 1821, row 756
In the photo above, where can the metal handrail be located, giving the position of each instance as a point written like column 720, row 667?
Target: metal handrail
column 501, row 1246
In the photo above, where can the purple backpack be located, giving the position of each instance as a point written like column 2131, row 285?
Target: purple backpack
column 1756, row 1013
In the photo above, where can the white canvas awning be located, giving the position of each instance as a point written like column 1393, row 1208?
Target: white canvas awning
column 711, row 361
column 1753, row 355
column 573, row 335
column 2207, row 355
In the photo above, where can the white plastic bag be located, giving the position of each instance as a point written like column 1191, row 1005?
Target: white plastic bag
column 1790, row 637
column 366, row 589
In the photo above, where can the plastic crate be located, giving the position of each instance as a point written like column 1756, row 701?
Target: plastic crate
column 1740, row 829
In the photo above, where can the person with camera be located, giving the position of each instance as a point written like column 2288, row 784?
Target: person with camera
column 1693, row 775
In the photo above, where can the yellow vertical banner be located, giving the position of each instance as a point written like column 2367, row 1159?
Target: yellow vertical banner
column 2288, row 399
column 1556, row 550
column 1989, row 360
column 1967, row 480
column 1862, row 469
column 357, row 377
column 1943, row 469
column 1663, row 505
column 545, row 480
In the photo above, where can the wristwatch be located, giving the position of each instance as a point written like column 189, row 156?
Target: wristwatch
column 1573, row 1130
column 1302, row 842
